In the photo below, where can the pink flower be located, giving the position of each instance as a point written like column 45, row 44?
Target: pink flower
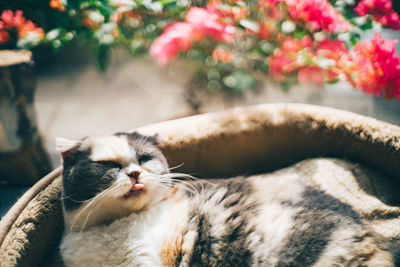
column 313, row 62
column 378, row 67
column 391, row 20
column 381, row 11
column 364, row 7
column 179, row 36
column 336, row 51
column 271, row 9
column 235, row 13
column 11, row 20
column 208, row 22
column 176, row 37
column 222, row 55
column 312, row 74
column 284, row 61
column 293, row 45
column 319, row 14
column 266, row 30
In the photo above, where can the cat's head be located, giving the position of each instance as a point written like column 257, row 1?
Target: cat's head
column 110, row 176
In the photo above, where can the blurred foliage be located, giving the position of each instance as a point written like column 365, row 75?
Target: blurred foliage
column 291, row 40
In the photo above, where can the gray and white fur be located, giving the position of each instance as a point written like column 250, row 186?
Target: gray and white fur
column 123, row 207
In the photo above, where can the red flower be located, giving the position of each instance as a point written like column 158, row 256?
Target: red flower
column 176, row 37
column 4, row 36
column 378, row 67
column 266, row 30
column 319, row 14
column 56, row 4
column 10, row 20
column 29, row 27
column 129, row 15
column 208, row 22
column 17, row 21
column 222, row 55
column 381, row 11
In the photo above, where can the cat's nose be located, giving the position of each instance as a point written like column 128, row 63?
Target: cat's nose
column 134, row 174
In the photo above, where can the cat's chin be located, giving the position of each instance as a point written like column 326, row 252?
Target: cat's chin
column 133, row 193
column 136, row 190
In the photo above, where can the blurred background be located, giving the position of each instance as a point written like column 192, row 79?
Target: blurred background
column 107, row 66
column 74, row 99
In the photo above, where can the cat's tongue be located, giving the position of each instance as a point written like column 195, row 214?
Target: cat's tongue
column 135, row 189
column 138, row 186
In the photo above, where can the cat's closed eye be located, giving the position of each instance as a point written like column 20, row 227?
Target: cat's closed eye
column 110, row 163
column 144, row 158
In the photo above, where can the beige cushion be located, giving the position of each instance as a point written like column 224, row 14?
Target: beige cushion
column 240, row 141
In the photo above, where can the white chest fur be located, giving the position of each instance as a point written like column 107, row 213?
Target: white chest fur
column 134, row 240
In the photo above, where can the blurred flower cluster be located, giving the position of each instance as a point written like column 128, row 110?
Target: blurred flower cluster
column 15, row 28
column 233, row 41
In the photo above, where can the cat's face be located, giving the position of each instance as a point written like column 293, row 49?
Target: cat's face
column 110, row 176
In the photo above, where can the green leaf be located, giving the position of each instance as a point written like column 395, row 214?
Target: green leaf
column 285, row 86
column 240, row 81
column 367, row 26
column 167, row 2
column 103, row 57
column 299, row 34
column 354, row 38
column 263, row 66
column 333, row 82
column 153, row 5
column 136, row 46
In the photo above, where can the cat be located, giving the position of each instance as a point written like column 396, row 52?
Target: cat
column 124, row 207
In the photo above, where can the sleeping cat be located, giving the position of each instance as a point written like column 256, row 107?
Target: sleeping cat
column 123, row 207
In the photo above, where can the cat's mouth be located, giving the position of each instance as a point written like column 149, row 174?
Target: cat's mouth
column 135, row 190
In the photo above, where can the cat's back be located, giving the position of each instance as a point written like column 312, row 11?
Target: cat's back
column 277, row 219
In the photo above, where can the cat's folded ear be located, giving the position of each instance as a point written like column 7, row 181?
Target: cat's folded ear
column 155, row 139
column 66, row 146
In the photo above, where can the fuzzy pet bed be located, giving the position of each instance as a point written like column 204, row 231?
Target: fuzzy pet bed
column 246, row 140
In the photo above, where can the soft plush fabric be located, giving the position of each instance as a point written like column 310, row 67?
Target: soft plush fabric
column 241, row 141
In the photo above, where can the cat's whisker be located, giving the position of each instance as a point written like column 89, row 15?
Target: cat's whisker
column 74, row 200
column 181, row 186
column 82, row 201
column 165, row 186
column 175, row 167
column 66, row 197
column 90, row 213
column 185, row 185
column 179, row 175
column 173, row 179
column 90, row 202
column 179, row 183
